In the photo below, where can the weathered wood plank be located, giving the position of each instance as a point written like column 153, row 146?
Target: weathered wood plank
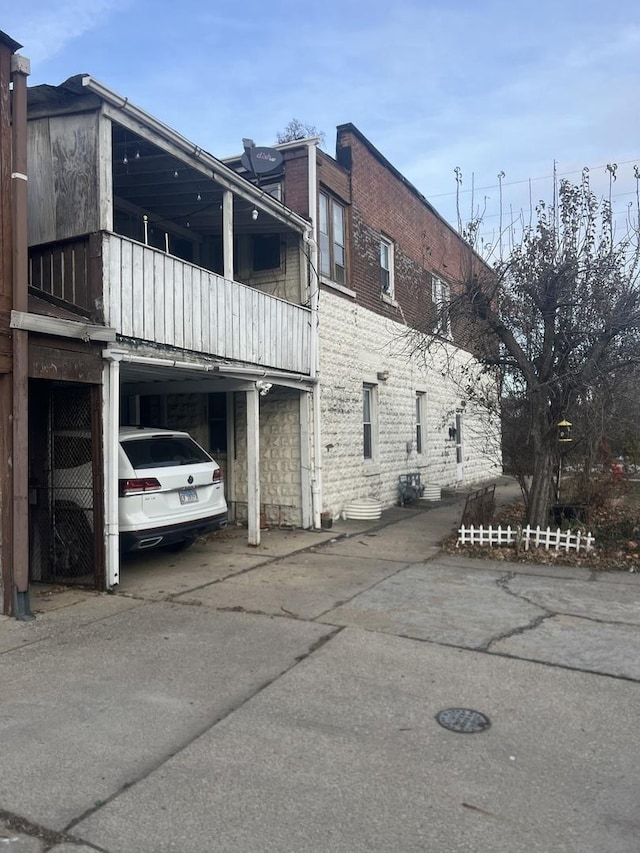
column 196, row 309
column 160, row 298
column 127, row 295
column 138, row 293
column 169, row 301
column 177, row 270
column 73, row 159
column 159, row 306
column 187, row 281
column 61, row 361
column 149, row 297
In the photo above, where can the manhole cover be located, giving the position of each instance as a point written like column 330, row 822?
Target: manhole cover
column 463, row 720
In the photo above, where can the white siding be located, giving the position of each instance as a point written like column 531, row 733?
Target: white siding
column 154, row 297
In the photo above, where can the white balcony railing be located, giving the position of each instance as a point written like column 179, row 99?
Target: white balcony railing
column 158, row 298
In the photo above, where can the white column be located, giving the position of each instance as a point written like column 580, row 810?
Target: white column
column 306, row 484
column 253, row 466
column 110, row 448
column 227, row 233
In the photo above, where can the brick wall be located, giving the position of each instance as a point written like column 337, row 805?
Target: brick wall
column 296, row 183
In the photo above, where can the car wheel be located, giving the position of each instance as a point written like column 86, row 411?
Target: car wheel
column 73, row 541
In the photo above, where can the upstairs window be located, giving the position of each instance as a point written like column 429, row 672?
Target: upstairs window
column 331, row 222
column 386, row 267
column 441, row 298
column 265, row 252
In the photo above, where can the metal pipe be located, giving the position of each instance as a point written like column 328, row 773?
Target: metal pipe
column 314, row 303
column 257, row 373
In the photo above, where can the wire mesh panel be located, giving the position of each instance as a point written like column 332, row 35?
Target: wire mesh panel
column 62, row 519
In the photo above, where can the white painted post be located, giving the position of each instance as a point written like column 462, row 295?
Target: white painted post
column 253, row 466
column 306, row 484
column 227, row 233
column 111, row 411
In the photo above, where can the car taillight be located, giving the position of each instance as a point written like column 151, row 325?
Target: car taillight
column 138, row 486
column 217, row 475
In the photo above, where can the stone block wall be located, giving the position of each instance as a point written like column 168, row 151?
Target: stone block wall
column 356, row 345
column 280, row 476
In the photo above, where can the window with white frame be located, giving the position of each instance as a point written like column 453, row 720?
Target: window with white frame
column 332, row 233
column 459, row 438
column 420, row 407
column 369, row 409
column 386, row 267
column 441, row 298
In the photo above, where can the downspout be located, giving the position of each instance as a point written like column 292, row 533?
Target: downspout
column 311, row 238
column 20, row 69
column 111, row 445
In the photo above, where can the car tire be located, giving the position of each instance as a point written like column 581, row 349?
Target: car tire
column 73, row 541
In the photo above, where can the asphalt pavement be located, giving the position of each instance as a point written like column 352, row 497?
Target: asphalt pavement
column 285, row 698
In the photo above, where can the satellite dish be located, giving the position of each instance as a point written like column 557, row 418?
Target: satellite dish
column 259, row 160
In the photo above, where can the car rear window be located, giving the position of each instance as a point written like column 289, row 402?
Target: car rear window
column 164, row 451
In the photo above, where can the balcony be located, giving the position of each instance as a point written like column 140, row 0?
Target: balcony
column 148, row 295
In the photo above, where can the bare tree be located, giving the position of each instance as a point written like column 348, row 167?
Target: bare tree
column 296, row 129
column 553, row 321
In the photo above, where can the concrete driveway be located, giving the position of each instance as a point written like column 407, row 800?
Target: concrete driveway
column 286, row 700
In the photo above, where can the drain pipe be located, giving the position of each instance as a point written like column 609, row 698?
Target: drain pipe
column 311, row 239
column 110, row 448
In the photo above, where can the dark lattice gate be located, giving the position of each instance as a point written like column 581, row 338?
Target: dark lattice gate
column 64, row 459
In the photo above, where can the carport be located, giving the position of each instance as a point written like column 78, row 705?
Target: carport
column 133, row 375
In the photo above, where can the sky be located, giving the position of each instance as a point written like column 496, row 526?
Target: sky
column 487, row 87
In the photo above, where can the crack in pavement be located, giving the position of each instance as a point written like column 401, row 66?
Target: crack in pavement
column 49, row 837
column 521, row 629
column 503, row 583
column 313, row 647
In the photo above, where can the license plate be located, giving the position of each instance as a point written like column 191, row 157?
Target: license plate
column 188, row 496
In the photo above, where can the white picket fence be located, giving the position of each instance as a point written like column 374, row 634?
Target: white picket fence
column 529, row 537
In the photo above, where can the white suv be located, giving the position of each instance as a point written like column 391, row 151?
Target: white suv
column 170, row 490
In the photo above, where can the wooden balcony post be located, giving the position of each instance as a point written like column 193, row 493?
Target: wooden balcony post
column 227, row 233
column 20, row 71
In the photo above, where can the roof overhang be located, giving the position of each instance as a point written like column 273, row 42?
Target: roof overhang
column 210, row 165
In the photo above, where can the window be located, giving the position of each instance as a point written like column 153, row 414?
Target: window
column 331, row 222
column 420, row 397
column 218, row 422
column 386, row 267
column 265, row 252
column 441, row 297
column 274, row 190
column 368, row 420
column 459, row 438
